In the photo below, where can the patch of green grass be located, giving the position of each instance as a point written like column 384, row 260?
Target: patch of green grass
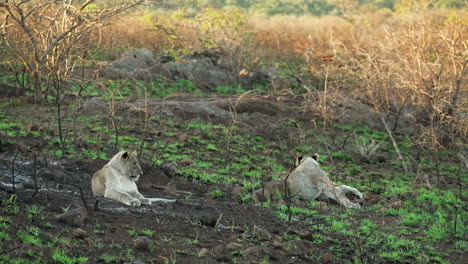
column 147, row 232
column 9, row 205
column 59, row 256
column 250, row 185
column 4, row 236
column 211, row 147
column 5, row 222
column 217, row 193
column 29, row 236
column 341, row 155
column 107, row 258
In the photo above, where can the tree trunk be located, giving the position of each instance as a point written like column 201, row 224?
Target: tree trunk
column 36, row 79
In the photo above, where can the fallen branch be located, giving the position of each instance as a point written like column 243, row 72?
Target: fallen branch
column 395, row 145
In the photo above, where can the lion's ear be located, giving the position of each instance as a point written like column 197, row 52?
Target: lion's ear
column 298, row 160
column 134, row 153
column 125, row 155
column 316, row 157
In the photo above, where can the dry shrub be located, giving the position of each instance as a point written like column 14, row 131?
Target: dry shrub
column 411, row 65
column 406, row 65
column 414, row 65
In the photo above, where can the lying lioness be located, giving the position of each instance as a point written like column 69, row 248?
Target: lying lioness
column 116, row 180
column 309, row 182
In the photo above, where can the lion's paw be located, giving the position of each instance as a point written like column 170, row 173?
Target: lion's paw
column 134, row 202
column 145, row 201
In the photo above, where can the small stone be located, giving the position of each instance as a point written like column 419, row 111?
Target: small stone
column 162, row 259
column 301, row 233
column 278, row 238
column 203, row 252
column 185, row 162
column 254, row 251
column 262, row 234
column 142, row 243
column 326, row 258
column 79, row 233
column 397, row 204
column 234, row 246
column 237, row 191
column 239, row 228
column 170, row 168
column 62, row 245
column 171, row 188
column 260, row 196
column 33, row 127
column 208, row 219
column 51, row 174
column 157, row 133
column 47, row 252
column 89, row 241
column 73, row 217
column 298, row 247
column 183, row 138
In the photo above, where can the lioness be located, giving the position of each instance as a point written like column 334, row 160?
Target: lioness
column 116, row 180
column 309, row 182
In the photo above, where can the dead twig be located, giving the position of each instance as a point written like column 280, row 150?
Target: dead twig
column 395, row 145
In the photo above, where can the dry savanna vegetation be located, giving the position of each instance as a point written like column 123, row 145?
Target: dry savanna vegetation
column 378, row 88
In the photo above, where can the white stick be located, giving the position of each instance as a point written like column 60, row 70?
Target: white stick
column 395, row 144
column 162, row 200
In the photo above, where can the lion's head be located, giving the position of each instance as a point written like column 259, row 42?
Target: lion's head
column 127, row 163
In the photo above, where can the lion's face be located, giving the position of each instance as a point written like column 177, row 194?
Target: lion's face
column 129, row 165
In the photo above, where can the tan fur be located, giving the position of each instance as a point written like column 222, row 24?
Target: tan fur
column 309, row 182
column 116, row 180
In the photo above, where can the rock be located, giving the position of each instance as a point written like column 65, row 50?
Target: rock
column 234, row 246
column 183, row 138
column 301, row 233
column 170, row 168
column 137, row 64
column 162, row 260
column 254, row 252
column 171, row 188
column 89, row 241
column 397, row 204
column 203, row 252
column 52, row 174
column 33, row 127
column 298, row 247
column 26, row 99
column 199, row 70
column 62, row 245
column 237, row 191
column 73, row 217
column 326, row 258
column 260, row 196
column 22, row 147
column 47, row 252
column 262, row 234
column 208, row 219
column 142, row 243
column 79, row 233
column 185, row 162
